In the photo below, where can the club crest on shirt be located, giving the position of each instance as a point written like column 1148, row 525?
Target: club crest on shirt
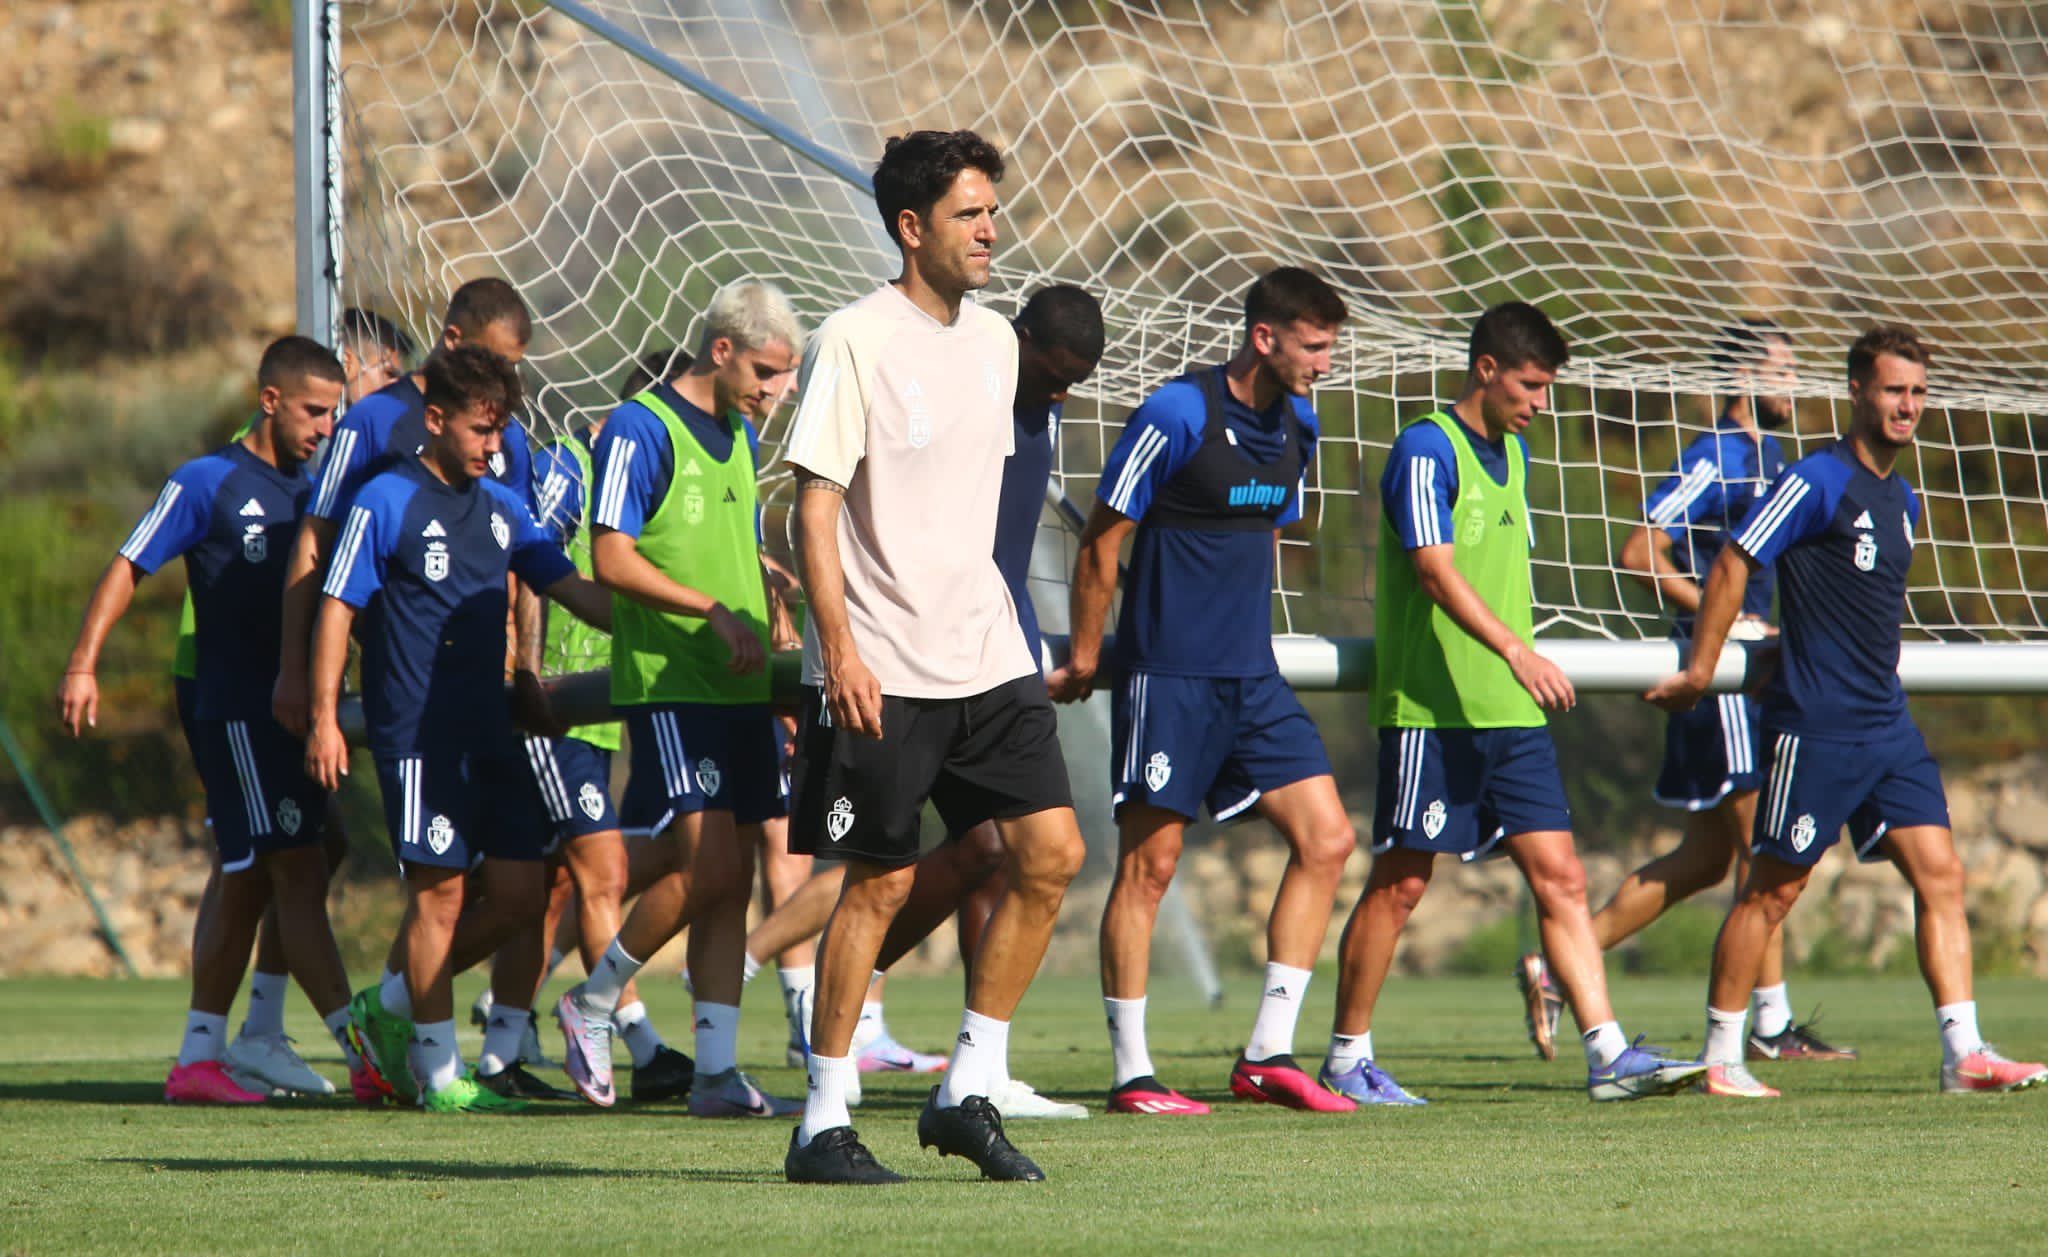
column 288, row 815
column 1802, row 833
column 440, row 835
column 840, row 820
column 693, row 505
column 255, row 543
column 1158, row 771
column 708, row 776
column 992, row 380
column 917, row 416
column 1866, row 552
column 501, row 531
column 436, row 566
column 590, row 800
column 1433, row 818
column 497, row 463
column 1473, row 530
column 1906, row 523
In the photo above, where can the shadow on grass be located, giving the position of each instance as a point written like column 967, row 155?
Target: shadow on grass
column 429, row 1171
column 85, row 1092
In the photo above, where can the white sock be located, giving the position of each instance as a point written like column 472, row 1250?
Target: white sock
column 435, row 1060
column 206, row 1037
column 748, row 967
column 502, row 1033
column 1959, row 1036
column 1772, row 1008
column 869, row 1028
column 602, row 990
column 718, row 1038
column 1724, row 1037
column 1346, row 1050
column 337, row 1025
column 981, row 1060
column 638, row 1032
column 1604, row 1042
column 1279, row 1009
column 265, row 1012
column 825, row 1104
column 1127, row 1039
column 395, row 995
column 796, row 985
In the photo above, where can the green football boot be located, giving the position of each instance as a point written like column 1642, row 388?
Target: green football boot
column 467, row 1095
column 383, row 1038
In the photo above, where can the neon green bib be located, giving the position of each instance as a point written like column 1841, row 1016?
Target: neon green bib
column 1428, row 673
column 572, row 645
column 185, row 657
column 701, row 535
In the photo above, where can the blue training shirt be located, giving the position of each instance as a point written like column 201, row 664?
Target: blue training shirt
column 1025, row 475
column 425, row 563
column 1200, row 602
column 634, row 461
column 1420, row 483
column 234, row 518
column 558, row 490
column 389, row 426
column 1842, row 540
column 1717, row 481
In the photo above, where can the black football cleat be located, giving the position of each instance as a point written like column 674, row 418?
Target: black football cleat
column 516, row 1082
column 974, row 1130
column 835, row 1156
column 667, row 1077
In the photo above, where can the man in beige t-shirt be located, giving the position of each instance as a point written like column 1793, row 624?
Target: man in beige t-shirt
column 919, row 685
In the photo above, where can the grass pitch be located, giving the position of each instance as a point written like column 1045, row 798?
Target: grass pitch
column 1509, row 1156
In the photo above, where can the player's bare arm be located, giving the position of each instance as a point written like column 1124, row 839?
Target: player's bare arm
column 326, row 749
column 852, row 693
column 78, row 692
column 616, row 561
column 1441, row 581
column 1718, row 608
column 290, row 701
column 780, row 584
column 1094, row 585
column 1646, row 555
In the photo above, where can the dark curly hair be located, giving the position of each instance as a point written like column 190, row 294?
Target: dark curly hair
column 917, row 169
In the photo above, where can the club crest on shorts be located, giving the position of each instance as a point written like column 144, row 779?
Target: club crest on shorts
column 440, row 835
column 501, row 531
column 1802, row 833
column 1158, row 771
column 288, row 815
column 1866, row 552
column 437, row 560
column 591, row 800
column 840, row 820
column 1433, row 818
column 255, row 543
column 708, row 776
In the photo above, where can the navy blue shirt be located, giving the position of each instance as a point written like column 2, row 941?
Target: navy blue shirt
column 1022, row 501
column 1718, row 479
column 1842, row 540
column 234, row 518
column 425, row 562
column 1420, row 484
column 390, row 426
column 634, row 461
column 1200, row 602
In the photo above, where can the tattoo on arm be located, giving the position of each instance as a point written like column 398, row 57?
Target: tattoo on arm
column 828, row 486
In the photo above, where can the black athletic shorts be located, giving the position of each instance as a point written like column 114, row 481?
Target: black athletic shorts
column 990, row 756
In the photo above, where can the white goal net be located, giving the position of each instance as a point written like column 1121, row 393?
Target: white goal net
column 1649, row 172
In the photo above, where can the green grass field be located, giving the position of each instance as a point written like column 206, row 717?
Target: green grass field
column 1509, row 1156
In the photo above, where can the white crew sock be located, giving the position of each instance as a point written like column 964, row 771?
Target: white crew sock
column 1127, row 1039
column 265, row 1012
column 981, row 1060
column 337, row 1025
column 718, row 1038
column 395, row 995
column 825, row 1104
column 1959, row 1036
column 603, row 989
column 748, row 967
column 796, row 989
column 1346, row 1050
column 1279, row 1009
column 206, row 1037
column 503, row 1030
column 638, row 1032
column 435, row 1060
column 1724, row 1037
column 1604, row 1042
column 1772, row 1009
column 869, row 1028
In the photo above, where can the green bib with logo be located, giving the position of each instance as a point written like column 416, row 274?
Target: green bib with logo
column 1427, row 672
column 701, row 536
column 572, row 645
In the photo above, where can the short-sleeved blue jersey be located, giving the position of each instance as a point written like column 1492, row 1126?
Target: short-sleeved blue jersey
column 234, row 518
column 1025, row 475
column 425, row 562
column 1420, row 483
column 389, row 426
column 1842, row 540
column 1198, row 600
column 634, row 460
column 1718, row 479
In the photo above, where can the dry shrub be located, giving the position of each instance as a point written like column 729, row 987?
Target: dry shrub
column 120, row 292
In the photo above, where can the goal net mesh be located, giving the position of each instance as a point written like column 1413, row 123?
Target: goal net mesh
column 1648, row 171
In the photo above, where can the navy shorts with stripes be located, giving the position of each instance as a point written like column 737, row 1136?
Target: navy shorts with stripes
column 1182, row 742
column 1874, row 784
column 575, row 780
column 1711, row 752
column 1462, row 791
column 696, row 757
column 451, row 811
column 258, row 797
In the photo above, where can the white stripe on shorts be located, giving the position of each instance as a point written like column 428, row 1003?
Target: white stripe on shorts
column 251, row 781
column 540, row 753
column 1784, row 763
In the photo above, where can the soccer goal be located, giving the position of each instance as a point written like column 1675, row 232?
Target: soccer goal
column 1648, row 173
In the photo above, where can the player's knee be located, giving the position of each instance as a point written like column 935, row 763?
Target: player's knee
column 1327, row 845
column 984, row 845
column 1049, row 864
column 601, row 881
column 1939, row 880
column 1559, row 881
column 883, row 892
column 1151, row 871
